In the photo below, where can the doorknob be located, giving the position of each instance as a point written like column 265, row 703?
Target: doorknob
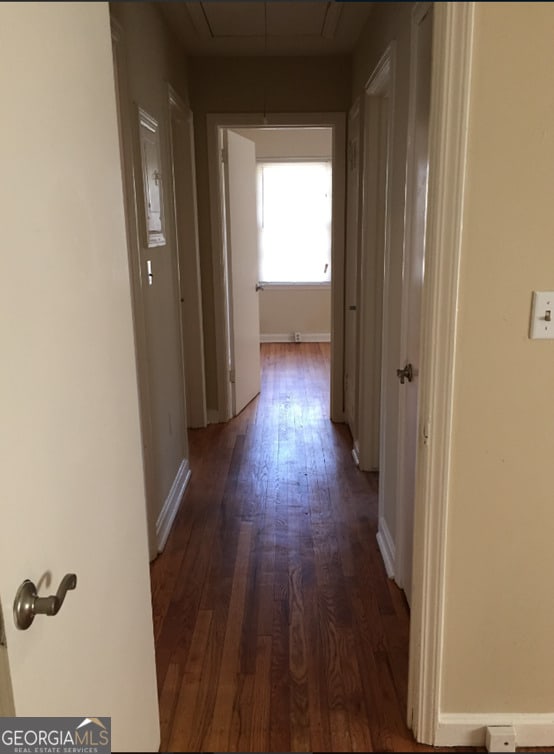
column 405, row 374
column 259, row 287
column 27, row 603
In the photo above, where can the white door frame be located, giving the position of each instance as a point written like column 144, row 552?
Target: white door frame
column 453, row 29
column 374, row 261
column 410, row 224
column 127, row 135
column 188, row 262
column 336, row 121
column 352, row 270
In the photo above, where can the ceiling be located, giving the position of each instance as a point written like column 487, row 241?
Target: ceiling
column 278, row 27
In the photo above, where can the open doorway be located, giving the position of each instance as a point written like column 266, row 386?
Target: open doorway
column 294, row 223
column 308, row 309
column 276, row 202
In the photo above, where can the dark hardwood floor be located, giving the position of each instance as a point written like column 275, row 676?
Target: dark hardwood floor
column 276, row 627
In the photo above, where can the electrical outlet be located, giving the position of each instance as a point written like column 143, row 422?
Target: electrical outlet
column 542, row 315
column 297, row 337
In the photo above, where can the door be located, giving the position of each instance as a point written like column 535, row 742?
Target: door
column 242, row 259
column 414, row 266
column 351, row 275
column 186, row 223
column 73, row 496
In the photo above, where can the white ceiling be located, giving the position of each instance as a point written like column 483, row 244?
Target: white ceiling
column 278, row 27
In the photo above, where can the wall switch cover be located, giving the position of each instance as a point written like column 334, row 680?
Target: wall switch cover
column 542, row 315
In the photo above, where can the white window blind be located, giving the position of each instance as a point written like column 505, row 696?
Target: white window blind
column 294, row 221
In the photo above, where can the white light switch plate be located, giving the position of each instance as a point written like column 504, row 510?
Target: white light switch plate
column 542, row 315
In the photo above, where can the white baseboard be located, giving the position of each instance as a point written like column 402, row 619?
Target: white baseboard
column 386, row 547
column 288, row 337
column 172, row 503
column 470, row 730
column 213, row 416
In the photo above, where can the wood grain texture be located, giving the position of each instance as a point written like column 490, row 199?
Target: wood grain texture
column 276, row 627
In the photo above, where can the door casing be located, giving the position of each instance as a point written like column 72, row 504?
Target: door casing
column 413, row 262
column 186, row 223
column 379, row 111
column 352, row 253
column 451, row 85
column 216, row 122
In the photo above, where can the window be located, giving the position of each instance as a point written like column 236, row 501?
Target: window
column 294, row 221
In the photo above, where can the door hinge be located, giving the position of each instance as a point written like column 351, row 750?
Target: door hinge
column 2, row 631
column 231, row 375
column 223, row 155
column 426, row 432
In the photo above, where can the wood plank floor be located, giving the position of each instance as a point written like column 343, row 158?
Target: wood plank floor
column 276, row 627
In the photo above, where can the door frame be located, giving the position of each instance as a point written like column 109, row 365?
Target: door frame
column 216, row 122
column 188, row 263
column 419, row 12
column 374, row 263
column 451, row 78
column 355, row 156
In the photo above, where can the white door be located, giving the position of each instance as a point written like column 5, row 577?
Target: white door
column 351, row 275
column 184, row 188
column 72, row 483
column 242, row 255
column 414, row 266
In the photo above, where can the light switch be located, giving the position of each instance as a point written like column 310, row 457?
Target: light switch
column 542, row 315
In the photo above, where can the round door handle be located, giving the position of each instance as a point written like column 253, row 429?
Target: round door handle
column 405, row 374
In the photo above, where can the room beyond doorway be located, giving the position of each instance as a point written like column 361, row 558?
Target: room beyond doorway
column 294, row 190
column 217, row 126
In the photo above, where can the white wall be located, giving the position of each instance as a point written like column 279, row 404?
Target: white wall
column 286, row 310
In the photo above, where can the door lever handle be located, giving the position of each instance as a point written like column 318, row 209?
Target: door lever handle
column 259, row 287
column 27, row 603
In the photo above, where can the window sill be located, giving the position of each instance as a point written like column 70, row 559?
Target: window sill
column 296, row 286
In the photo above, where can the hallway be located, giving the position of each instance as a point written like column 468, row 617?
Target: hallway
column 276, row 628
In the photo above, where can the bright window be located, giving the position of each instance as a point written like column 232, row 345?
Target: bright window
column 294, row 221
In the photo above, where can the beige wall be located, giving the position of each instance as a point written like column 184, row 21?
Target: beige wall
column 284, row 311
column 234, row 85
column 290, row 142
column 153, row 60
column 390, row 22
column 499, row 648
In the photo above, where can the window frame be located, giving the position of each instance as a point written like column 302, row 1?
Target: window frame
column 303, row 284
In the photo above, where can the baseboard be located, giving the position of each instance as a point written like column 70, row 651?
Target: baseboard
column 172, row 503
column 470, row 730
column 213, row 416
column 386, row 547
column 288, row 337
